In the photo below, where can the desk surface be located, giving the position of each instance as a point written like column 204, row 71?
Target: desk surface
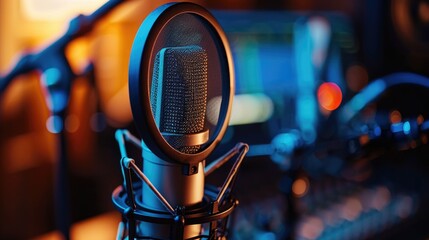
column 101, row 227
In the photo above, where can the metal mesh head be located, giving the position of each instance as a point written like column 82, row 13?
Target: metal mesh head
column 179, row 90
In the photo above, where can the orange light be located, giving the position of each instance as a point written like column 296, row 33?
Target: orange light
column 364, row 139
column 420, row 119
column 424, row 12
column 329, row 95
column 58, row 9
column 300, row 187
column 395, row 116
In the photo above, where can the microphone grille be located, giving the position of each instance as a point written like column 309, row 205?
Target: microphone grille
column 179, row 90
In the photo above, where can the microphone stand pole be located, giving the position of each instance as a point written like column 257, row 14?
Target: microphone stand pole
column 57, row 77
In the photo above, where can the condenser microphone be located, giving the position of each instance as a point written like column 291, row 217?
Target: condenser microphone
column 178, row 101
column 180, row 60
column 179, row 96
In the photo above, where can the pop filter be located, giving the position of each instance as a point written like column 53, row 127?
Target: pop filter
column 170, row 32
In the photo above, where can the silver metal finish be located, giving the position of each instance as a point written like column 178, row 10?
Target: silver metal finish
column 177, row 188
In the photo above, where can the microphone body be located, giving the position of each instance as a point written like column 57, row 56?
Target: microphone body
column 179, row 190
column 178, row 100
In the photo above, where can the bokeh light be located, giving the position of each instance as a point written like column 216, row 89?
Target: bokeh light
column 329, row 95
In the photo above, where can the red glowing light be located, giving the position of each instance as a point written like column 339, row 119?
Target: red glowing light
column 329, row 95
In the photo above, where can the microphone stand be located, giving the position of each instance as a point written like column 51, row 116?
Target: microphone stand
column 215, row 214
column 57, row 77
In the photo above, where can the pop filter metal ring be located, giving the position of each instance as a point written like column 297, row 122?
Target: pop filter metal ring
column 139, row 85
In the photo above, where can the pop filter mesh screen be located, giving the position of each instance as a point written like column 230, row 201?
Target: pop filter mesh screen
column 188, row 67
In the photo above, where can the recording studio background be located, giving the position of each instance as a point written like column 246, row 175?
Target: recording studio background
column 299, row 66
